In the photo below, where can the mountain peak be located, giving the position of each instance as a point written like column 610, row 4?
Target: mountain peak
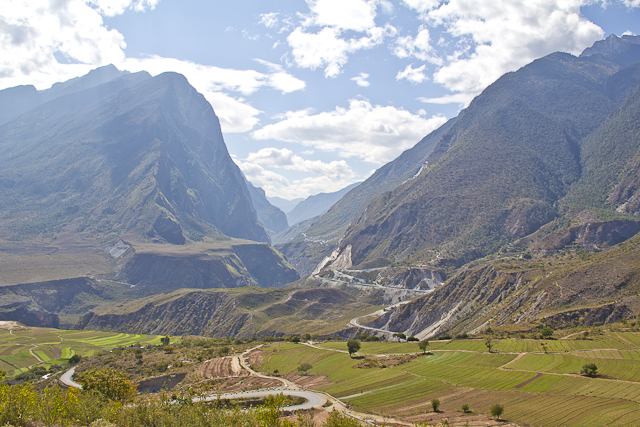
column 622, row 50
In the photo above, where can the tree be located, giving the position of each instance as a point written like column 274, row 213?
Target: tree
column 435, row 404
column 111, row 383
column 304, row 368
column 400, row 336
column 412, row 338
column 2, row 375
column 353, row 346
column 465, row 408
column 166, row 340
column 590, row 370
column 489, row 343
column 496, row 410
column 295, row 339
column 546, row 332
column 74, row 359
column 307, row 337
column 423, row 345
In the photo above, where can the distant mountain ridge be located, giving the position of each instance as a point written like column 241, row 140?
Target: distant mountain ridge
column 316, row 205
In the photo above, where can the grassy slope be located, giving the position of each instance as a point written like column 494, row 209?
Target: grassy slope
column 537, row 388
column 54, row 346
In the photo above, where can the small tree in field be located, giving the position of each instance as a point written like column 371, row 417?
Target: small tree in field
column 496, row 410
column 353, row 346
column 166, row 340
column 489, row 343
column 304, row 368
column 546, row 332
column 435, row 404
column 590, row 370
column 465, row 408
column 423, row 345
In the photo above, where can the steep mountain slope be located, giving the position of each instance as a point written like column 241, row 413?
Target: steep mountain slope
column 238, row 312
column 319, row 240
column 272, row 218
column 316, row 205
column 128, row 180
column 518, row 294
column 498, row 173
column 136, row 155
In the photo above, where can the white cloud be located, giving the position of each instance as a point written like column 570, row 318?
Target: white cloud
column 457, row 98
column 327, row 49
column 421, row 6
column 275, row 184
column 418, row 47
column 414, row 75
column 118, row 7
column 285, row 159
column 357, row 15
column 502, row 36
column 632, row 3
column 373, row 133
column 269, row 20
column 236, row 115
column 361, row 80
column 34, row 32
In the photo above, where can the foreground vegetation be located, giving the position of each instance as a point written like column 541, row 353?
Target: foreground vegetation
column 22, row 405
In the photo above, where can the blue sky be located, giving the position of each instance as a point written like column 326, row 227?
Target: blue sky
column 312, row 95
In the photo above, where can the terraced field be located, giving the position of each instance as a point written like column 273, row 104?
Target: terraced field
column 21, row 349
column 538, row 381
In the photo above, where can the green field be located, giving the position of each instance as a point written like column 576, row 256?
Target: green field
column 56, row 346
column 538, row 381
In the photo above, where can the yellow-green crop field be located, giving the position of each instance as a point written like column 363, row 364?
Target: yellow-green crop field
column 537, row 381
column 21, row 349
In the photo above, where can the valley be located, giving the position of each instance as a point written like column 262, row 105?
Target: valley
column 505, row 243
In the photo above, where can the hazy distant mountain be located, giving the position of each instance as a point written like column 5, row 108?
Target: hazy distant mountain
column 504, row 168
column 272, row 218
column 284, row 204
column 316, row 205
column 20, row 99
column 137, row 155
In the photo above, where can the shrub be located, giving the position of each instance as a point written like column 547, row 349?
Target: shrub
column 496, row 410
column 465, row 407
column 412, row 338
column 111, row 383
column 435, row 404
column 590, row 370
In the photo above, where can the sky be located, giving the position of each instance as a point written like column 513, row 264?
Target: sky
column 312, row 95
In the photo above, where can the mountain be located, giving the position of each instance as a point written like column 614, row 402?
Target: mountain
column 316, row 205
column 20, row 99
column 283, row 204
column 320, row 239
column 241, row 313
column 271, row 218
column 504, row 168
column 125, row 177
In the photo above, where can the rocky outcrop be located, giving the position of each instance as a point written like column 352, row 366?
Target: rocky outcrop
column 591, row 235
